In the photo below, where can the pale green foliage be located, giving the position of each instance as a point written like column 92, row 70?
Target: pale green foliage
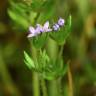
column 46, row 67
column 28, row 61
column 40, row 40
column 25, row 13
column 21, row 14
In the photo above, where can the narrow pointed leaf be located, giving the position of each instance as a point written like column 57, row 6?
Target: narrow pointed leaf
column 28, row 61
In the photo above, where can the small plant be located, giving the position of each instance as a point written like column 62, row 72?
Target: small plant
column 44, row 65
column 48, row 62
column 47, row 43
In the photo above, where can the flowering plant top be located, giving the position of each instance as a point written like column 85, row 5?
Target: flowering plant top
column 45, row 28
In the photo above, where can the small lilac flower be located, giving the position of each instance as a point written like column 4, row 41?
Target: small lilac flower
column 39, row 28
column 46, row 27
column 61, row 22
column 56, row 27
column 32, row 32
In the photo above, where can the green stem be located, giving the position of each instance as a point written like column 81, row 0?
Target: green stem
column 52, row 50
column 60, row 52
column 53, row 88
column 36, row 85
column 60, row 88
column 43, row 86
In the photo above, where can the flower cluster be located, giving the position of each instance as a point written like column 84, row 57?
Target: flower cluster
column 59, row 24
column 41, row 29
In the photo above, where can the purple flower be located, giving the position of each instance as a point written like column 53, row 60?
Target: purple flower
column 32, row 32
column 56, row 27
column 46, row 27
column 39, row 28
column 61, row 22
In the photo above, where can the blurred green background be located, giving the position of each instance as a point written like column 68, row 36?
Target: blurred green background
column 80, row 47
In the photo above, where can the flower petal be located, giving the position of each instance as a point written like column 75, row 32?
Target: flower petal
column 31, row 29
column 31, row 35
column 56, row 27
column 39, row 28
column 61, row 22
column 48, row 30
column 46, row 25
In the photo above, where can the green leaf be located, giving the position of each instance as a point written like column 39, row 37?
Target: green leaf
column 61, row 67
column 19, row 19
column 28, row 61
column 55, row 69
column 36, row 6
column 39, row 40
column 21, row 14
column 47, row 11
column 43, row 60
